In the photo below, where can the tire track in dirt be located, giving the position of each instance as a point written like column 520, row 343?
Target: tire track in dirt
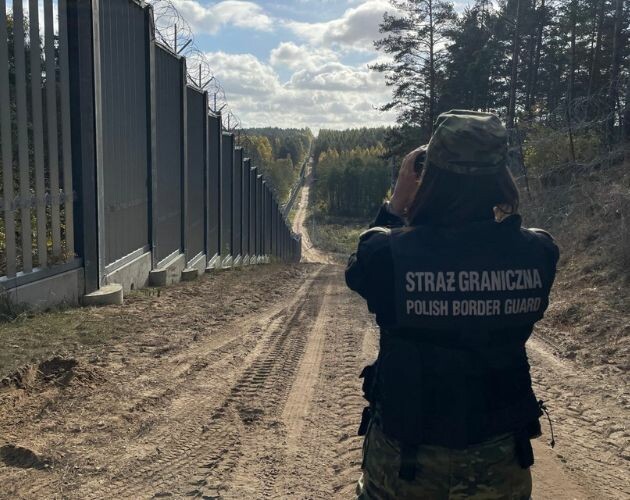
column 322, row 451
column 359, row 332
column 166, row 454
column 269, row 408
column 242, row 463
column 310, row 253
column 299, row 400
column 590, row 418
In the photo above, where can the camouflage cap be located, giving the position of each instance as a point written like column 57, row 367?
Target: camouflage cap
column 469, row 143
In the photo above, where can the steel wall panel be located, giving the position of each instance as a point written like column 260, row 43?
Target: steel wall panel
column 237, row 203
column 214, row 186
column 259, row 215
column 169, row 159
column 227, row 168
column 196, row 178
column 274, row 228
column 252, row 211
column 245, row 206
column 125, row 135
column 265, row 221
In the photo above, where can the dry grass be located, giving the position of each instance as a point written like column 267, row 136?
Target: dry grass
column 589, row 318
column 33, row 337
column 337, row 235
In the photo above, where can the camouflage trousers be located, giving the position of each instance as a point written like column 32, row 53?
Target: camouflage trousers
column 488, row 471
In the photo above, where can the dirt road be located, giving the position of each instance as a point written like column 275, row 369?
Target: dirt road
column 264, row 405
column 245, row 386
column 310, row 253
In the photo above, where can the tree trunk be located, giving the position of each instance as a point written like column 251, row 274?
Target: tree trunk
column 513, row 82
column 613, row 88
column 431, row 68
column 530, row 64
column 541, row 26
column 593, row 80
column 626, row 121
column 572, row 79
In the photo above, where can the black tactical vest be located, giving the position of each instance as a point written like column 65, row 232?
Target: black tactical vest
column 453, row 370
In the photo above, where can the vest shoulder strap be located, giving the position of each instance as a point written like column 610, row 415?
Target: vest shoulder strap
column 541, row 232
column 365, row 235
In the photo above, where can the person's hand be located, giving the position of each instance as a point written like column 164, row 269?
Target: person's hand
column 406, row 185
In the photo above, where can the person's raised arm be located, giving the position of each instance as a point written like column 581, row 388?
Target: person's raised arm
column 392, row 213
column 373, row 251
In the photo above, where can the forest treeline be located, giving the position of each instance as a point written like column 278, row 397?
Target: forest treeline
column 352, row 174
column 347, row 140
column 561, row 64
column 279, row 153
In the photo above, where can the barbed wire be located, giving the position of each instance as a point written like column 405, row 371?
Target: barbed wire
column 576, row 136
column 173, row 30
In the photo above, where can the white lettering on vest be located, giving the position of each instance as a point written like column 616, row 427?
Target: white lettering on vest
column 427, row 307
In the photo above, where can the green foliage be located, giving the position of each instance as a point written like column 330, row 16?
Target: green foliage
column 352, row 174
column 548, row 155
column 352, row 183
column 279, row 153
column 338, row 235
column 414, row 39
column 347, row 140
column 566, row 51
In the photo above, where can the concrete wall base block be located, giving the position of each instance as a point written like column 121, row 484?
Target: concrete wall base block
column 214, row 263
column 108, row 295
column 238, row 261
column 226, row 262
column 64, row 288
column 190, row 274
column 198, row 263
column 169, row 272
column 132, row 276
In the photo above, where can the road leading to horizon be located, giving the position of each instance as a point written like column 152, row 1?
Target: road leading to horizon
column 244, row 385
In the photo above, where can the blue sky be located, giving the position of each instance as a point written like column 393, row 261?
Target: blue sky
column 293, row 63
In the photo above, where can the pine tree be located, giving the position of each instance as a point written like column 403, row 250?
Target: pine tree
column 415, row 39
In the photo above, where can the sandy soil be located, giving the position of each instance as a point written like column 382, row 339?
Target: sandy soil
column 245, row 385
column 310, row 253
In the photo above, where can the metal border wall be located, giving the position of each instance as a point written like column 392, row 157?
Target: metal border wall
column 237, row 205
column 196, row 142
column 247, row 167
column 227, row 169
column 169, row 157
column 121, row 88
column 160, row 190
column 214, row 186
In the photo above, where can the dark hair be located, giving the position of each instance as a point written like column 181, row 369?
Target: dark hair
column 448, row 199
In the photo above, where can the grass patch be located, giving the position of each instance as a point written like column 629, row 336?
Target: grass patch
column 36, row 336
column 339, row 235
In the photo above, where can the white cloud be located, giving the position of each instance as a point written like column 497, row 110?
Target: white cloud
column 319, row 87
column 356, row 29
column 295, row 56
column 243, row 74
column 336, row 77
column 332, row 95
column 209, row 19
